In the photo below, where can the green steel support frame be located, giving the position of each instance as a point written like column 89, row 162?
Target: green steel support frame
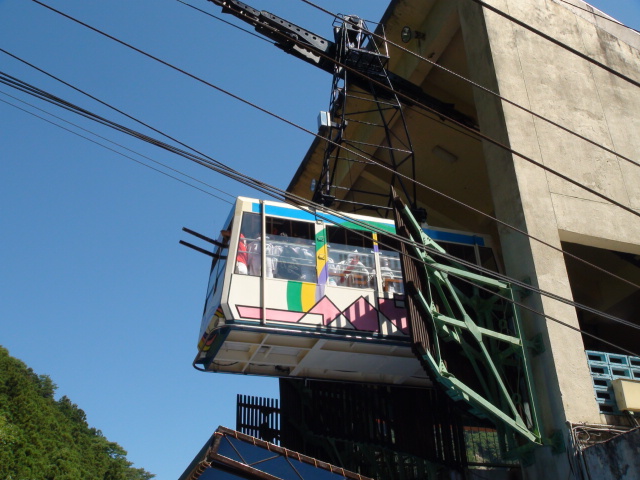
column 466, row 332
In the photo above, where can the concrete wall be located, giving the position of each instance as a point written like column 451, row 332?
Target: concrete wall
column 583, row 97
column 617, row 458
column 529, row 70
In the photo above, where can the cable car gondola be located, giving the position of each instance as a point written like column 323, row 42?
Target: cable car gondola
column 295, row 292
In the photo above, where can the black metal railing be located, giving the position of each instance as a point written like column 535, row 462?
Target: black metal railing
column 258, row 417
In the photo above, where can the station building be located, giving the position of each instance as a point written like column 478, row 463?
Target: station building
column 547, row 91
column 509, row 54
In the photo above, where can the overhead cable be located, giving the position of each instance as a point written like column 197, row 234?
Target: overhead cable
column 111, row 107
column 294, row 199
column 479, row 134
column 434, row 111
column 376, row 162
column 485, row 89
column 116, row 151
column 557, row 42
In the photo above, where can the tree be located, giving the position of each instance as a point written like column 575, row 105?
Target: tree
column 47, row 439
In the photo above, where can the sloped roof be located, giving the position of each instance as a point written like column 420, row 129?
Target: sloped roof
column 229, row 454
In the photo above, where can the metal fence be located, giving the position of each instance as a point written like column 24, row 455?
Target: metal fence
column 258, row 417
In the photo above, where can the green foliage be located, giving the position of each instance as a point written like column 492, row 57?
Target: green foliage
column 45, row 439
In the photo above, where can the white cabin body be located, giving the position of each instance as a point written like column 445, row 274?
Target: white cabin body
column 321, row 298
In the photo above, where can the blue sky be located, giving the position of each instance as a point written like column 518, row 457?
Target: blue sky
column 94, row 288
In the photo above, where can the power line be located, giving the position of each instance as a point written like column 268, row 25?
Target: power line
column 557, row 42
column 376, row 162
column 485, row 89
column 442, row 116
column 474, row 209
column 116, row 151
column 612, row 20
column 295, row 200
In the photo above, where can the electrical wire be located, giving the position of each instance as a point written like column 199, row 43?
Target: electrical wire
column 116, row 151
column 479, row 134
column 556, row 42
column 610, row 19
column 280, row 194
column 486, row 90
column 375, row 161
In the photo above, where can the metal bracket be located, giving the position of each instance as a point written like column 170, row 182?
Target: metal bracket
column 536, row 344
column 556, row 442
column 468, row 335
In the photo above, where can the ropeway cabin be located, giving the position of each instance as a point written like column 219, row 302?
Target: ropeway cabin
column 298, row 293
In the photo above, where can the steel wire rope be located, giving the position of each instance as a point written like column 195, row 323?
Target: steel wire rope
column 107, row 105
column 478, row 133
column 484, row 137
column 518, row 230
column 522, row 285
column 175, row 67
column 213, row 164
column 556, row 42
column 605, row 16
column 284, row 195
column 114, row 150
column 512, row 280
column 486, row 90
column 444, row 116
column 298, row 201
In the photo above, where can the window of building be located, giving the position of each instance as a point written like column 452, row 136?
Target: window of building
column 595, row 288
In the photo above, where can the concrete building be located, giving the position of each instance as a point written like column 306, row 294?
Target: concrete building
column 529, row 70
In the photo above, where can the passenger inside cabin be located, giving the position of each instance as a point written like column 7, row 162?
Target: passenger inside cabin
column 242, row 257
column 249, row 232
column 353, row 273
column 288, row 267
column 332, row 269
column 387, row 275
column 307, row 260
column 272, row 252
column 296, row 260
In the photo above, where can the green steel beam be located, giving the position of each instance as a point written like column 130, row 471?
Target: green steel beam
column 493, row 344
